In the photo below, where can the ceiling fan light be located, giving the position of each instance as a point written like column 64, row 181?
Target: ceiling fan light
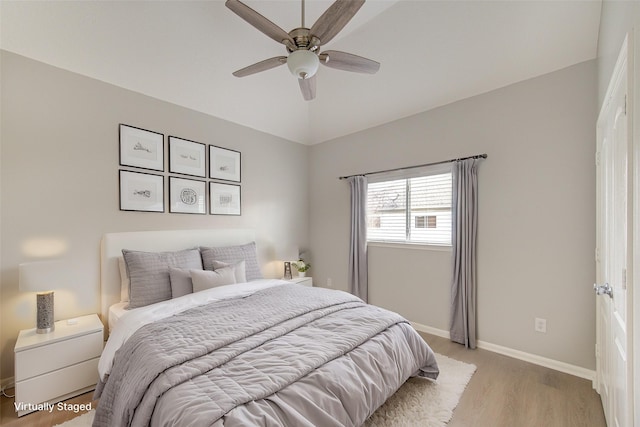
column 303, row 63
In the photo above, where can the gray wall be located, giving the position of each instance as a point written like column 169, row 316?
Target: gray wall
column 59, row 182
column 537, row 212
column 616, row 20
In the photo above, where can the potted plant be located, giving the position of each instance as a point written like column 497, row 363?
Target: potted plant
column 301, row 266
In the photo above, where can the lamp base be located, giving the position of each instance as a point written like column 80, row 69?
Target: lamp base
column 45, row 322
column 287, row 270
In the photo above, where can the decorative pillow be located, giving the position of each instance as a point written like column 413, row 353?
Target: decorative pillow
column 124, row 281
column 206, row 279
column 238, row 269
column 149, row 273
column 232, row 254
column 181, row 283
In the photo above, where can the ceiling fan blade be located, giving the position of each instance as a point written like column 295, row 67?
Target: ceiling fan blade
column 308, row 88
column 267, row 64
column 348, row 62
column 334, row 19
column 258, row 21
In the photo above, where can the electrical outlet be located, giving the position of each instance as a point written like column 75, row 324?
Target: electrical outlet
column 540, row 325
column 329, row 283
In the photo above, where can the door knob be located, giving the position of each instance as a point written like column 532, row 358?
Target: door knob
column 605, row 289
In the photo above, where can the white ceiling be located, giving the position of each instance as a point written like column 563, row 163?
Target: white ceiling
column 432, row 53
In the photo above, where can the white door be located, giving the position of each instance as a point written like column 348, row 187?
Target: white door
column 614, row 326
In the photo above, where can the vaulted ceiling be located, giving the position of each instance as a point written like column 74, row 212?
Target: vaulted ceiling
column 432, row 53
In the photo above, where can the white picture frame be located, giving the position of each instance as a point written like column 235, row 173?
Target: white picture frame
column 187, row 157
column 224, row 199
column 141, row 148
column 224, row 164
column 142, row 192
column 187, row 196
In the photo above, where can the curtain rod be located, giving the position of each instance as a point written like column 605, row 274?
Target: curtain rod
column 477, row 156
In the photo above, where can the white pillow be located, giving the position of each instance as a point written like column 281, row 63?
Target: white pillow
column 238, row 269
column 207, row 279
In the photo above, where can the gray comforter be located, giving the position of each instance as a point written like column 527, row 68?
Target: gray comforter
column 288, row 355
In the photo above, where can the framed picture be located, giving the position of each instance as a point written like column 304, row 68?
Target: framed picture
column 141, row 192
column 187, row 157
column 141, row 148
column 187, row 196
column 224, row 199
column 224, row 164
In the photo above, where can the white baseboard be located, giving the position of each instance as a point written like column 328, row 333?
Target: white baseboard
column 556, row 365
column 431, row 330
column 7, row 382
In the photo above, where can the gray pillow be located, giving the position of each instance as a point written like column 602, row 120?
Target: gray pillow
column 205, row 279
column 149, row 273
column 124, row 280
column 233, row 254
column 181, row 283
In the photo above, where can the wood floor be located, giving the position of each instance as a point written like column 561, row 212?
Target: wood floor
column 504, row 392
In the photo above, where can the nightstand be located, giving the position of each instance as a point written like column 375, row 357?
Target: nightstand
column 304, row 281
column 56, row 366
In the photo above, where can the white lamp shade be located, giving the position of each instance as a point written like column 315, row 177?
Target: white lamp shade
column 41, row 276
column 303, row 63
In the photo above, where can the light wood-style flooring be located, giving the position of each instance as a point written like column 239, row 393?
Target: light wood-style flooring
column 504, row 392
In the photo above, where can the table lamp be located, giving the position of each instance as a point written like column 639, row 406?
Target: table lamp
column 42, row 277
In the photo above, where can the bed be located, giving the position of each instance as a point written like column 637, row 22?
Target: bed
column 254, row 351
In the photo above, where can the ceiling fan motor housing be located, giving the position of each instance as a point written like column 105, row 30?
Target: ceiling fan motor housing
column 303, row 39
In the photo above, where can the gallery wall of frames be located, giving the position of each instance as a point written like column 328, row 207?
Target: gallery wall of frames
column 201, row 179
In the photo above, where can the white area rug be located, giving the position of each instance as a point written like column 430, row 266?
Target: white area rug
column 82, row 421
column 419, row 402
column 424, row 403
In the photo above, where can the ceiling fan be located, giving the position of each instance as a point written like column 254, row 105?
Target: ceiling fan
column 303, row 44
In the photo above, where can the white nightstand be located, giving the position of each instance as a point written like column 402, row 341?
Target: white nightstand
column 58, row 365
column 304, row 281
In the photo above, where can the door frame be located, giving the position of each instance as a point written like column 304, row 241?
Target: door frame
column 633, row 103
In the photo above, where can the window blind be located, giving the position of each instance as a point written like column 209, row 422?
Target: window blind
column 414, row 209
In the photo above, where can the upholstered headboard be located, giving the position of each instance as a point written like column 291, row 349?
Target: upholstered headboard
column 155, row 241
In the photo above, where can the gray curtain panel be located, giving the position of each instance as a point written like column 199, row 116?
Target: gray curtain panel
column 358, row 267
column 464, row 235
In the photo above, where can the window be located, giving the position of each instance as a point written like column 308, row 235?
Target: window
column 414, row 209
